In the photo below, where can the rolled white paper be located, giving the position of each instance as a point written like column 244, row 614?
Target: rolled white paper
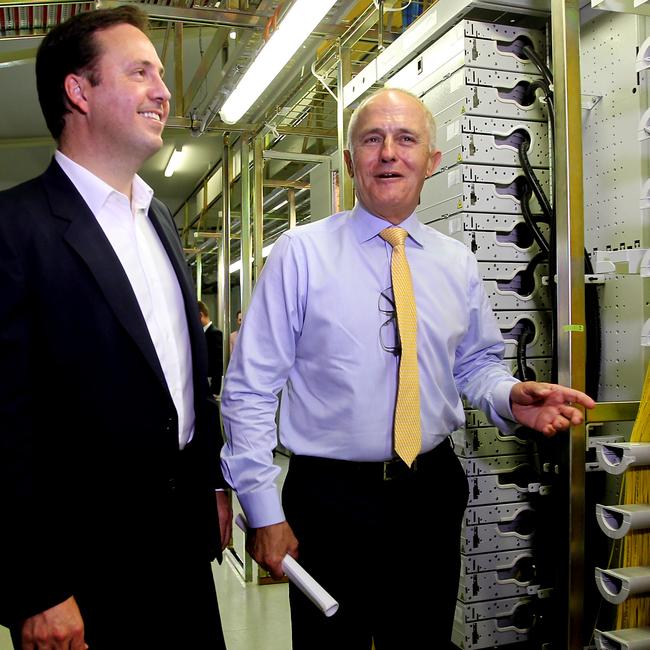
column 302, row 579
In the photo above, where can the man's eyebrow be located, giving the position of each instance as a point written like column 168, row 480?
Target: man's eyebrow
column 381, row 130
column 375, row 129
column 150, row 64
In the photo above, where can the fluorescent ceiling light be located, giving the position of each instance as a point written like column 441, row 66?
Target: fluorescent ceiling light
column 236, row 266
column 298, row 23
column 279, row 205
column 174, row 161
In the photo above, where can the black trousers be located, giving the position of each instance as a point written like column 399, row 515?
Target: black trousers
column 149, row 584
column 157, row 605
column 377, row 546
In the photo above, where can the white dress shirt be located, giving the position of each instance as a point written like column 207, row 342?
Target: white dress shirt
column 152, row 277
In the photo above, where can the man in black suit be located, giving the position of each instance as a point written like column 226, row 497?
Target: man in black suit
column 109, row 479
column 214, row 341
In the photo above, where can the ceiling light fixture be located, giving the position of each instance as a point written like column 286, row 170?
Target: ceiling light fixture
column 233, row 35
column 174, row 160
column 236, row 266
column 298, row 23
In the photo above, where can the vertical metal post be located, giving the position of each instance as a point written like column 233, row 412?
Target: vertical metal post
column 343, row 119
column 258, row 205
column 179, row 106
column 291, row 199
column 165, row 46
column 245, row 283
column 199, row 276
column 565, row 16
column 221, row 312
column 186, row 225
column 225, row 244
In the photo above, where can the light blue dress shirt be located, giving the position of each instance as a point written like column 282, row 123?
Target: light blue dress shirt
column 317, row 330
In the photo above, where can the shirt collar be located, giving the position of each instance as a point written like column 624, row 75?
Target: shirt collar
column 95, row 192
column 366, row 225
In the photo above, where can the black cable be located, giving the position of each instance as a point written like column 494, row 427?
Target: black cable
column 526, row 336
column 534, row 181
column 546, row 86
column 539, row 84
column 592, row 303
column 594, row 341
column 539, row 64
column 528, row 218
column 548, row 98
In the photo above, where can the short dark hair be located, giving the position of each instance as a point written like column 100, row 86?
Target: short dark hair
column 203, row 309
column 72, row 48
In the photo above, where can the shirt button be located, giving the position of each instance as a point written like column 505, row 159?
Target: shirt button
column 171, row 484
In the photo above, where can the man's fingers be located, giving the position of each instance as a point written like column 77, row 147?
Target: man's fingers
column 571, row 413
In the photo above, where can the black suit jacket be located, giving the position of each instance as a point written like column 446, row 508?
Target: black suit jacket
column 214, row 341
column 89, row 461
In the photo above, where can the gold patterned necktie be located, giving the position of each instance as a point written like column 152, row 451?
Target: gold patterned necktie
column 407, row 429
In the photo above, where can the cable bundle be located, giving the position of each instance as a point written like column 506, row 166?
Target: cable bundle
column 635, row 611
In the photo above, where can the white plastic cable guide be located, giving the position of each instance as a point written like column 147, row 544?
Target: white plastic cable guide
column 617, row 585
column 616, row 457
column 636, row 638
column 636, row 259
column 640, row 7
column 617, row 521
column 302, row 579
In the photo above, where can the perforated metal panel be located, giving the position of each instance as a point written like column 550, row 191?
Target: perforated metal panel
column 613, row 176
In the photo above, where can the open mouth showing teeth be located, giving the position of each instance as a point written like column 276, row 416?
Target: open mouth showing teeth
column 153, row 116
column 389, row 175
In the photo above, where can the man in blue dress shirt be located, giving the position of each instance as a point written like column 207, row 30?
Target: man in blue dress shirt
column 320, row 329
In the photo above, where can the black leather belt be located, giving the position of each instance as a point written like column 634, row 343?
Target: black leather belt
column 388, row 470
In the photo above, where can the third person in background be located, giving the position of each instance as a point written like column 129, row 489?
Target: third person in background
column 214, row 341
column 235, row 334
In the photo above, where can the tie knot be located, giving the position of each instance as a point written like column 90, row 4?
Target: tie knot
column 394, row 236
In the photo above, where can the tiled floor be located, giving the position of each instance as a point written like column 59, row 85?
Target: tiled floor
column 5, row 641
column 254, row 617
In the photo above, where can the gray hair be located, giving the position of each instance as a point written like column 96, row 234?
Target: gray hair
column 352, row 127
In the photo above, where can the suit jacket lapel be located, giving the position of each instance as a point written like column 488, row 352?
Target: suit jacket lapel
column 87, row 238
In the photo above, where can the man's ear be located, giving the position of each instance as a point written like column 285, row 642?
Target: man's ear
column 433, row 163
column 75, row 91
column 348, row 163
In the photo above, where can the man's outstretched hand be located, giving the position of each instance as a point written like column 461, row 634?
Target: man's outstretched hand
column 548, row 408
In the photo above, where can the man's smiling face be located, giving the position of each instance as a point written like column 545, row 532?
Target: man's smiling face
column 391, row 155
column 130, row 104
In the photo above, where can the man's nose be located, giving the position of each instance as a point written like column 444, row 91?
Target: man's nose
column 388, row 150
column 160, row 90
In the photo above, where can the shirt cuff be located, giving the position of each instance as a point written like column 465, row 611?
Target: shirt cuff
column 502, row 416
column 262, row 508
